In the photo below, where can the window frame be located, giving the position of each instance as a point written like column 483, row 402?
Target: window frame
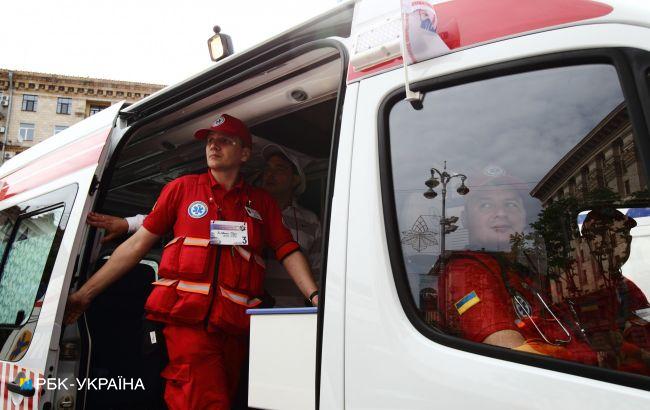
column 62, row 197
column 60, row 128
column 60, row 104
column 631, row 66
column 27, row 103
column 93, row 109
column 21, row 128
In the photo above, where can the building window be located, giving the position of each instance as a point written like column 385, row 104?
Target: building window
column 94, row 109
column 600, row 170
column 584, row 172
column 26, row 132
column 64, row 106
column 59, row 128
column 29, row 102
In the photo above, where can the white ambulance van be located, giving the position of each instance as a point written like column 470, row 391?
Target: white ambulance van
column 548, row 99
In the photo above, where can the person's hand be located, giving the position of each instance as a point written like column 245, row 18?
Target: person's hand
column 114, row 226
column 314, row 301
column 77, row 304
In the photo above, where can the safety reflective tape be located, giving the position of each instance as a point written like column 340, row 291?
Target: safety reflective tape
column 247, row 255
column 173, row 241
column 194, row 287
column 239, row 298
column 259, row 260
column 164, row 282
column 243, row 252
column 196, row 242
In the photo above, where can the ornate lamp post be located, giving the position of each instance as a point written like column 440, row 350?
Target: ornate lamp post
column 446, row 224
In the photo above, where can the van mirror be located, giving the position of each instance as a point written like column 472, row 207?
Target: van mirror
column 220, row 45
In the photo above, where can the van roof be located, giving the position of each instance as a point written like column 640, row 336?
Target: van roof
column 334, row 22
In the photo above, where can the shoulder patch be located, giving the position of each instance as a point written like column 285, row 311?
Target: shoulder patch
column 467, row 302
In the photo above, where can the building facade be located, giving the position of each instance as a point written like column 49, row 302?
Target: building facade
column 35, row 106
column 606, row 162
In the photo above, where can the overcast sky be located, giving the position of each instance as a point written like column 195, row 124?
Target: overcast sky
column 136, row 40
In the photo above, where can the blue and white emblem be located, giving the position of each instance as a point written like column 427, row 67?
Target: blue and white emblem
column 218, row 121
column 197, row 209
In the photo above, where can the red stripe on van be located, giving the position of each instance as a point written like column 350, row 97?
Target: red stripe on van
column 6, row 398
column 462, row 23
column 465, row 22
column 60, row 162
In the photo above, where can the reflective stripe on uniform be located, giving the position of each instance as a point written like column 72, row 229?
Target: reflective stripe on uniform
column 194, row 287
column 247, row 255
column 239, row 298
column 196, row 241
column 173, row 241
column 259, row 260
column 164, row 282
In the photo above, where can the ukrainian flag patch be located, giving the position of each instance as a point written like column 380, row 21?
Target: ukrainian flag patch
column 467, row 302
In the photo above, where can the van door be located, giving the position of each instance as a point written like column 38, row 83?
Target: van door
column 45, row 195
column 463, row 225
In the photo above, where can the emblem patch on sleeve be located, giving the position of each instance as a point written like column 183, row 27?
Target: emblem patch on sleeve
column 467, row 302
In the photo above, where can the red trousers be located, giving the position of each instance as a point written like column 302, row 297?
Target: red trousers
column 203, row 369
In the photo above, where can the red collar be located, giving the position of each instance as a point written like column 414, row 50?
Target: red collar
column 239, row 184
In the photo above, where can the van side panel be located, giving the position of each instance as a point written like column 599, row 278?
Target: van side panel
column 70, row 159
column 388, row 362
column 58, row 163
column 333, row 347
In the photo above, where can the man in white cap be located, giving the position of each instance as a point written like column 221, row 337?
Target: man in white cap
column 284, row 178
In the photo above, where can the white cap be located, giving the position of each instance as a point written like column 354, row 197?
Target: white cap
column 271, row 149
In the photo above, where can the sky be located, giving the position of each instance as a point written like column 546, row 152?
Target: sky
column 160, row 42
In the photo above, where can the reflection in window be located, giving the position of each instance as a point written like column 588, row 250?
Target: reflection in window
column 524, row 221
column 24, row 265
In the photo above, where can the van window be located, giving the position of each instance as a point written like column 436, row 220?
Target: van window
column 30, row 236
column 24, row 264
column 523, row 214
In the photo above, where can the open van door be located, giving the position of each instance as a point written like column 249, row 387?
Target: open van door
column 45, row 194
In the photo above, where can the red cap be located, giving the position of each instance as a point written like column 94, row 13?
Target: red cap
column 228, row 125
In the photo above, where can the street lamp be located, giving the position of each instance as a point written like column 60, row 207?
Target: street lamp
column 446, row 224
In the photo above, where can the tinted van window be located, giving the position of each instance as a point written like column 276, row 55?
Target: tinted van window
column 524, row 215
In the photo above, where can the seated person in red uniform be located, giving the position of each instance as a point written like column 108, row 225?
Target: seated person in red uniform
column 607, row 314
column 486, row 294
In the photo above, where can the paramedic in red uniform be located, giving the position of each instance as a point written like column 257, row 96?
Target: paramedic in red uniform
column 486, row 295
column 204, row 288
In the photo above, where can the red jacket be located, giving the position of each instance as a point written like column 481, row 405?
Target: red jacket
column 475, row 302
column 188, row 291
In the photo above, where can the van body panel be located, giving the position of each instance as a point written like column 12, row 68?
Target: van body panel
column 87, row 128
column 388, row 362
column 469, row 23
column 66, row 162
column 333, row 346
column 67, row 159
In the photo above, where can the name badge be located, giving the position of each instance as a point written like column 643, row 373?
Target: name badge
column 253, row 213
column 228, row 233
